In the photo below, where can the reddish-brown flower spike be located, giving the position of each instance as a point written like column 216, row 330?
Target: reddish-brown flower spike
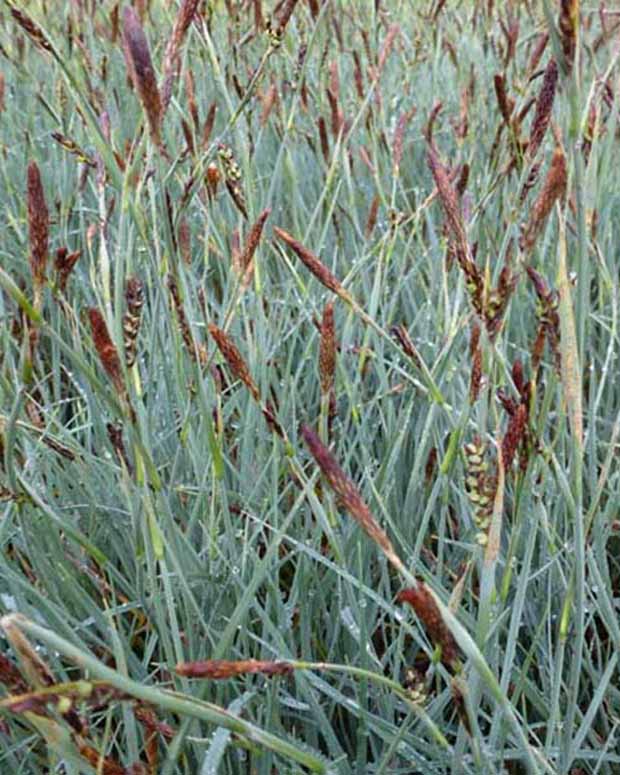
column 554, row 188
column 38, row 225
column 140, row 67
column 247, row 257
column 221, row 669
column 106, row 350
column 181, row 25
column 568, row 23
column 234, row 359
column 347, row 493
column 544, row 106
column 287, row 12
column 514, row 435
column 318, row 269
column 425, row 607
column 327, row 350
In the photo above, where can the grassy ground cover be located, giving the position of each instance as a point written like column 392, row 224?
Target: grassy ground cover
column 310, row 412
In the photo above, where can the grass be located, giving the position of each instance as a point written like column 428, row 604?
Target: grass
column 375, row 346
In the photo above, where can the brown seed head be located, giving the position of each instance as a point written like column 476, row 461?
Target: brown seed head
column 553, row 189
column 514, row 435
column 568, row 23
column 64, row 265
column 544, row 106
column 427, row 611
column 234, row 359
column 140, row 67
column 327, row 351
column 34, row 32
column 319, row 270
column 171, row 56
column 346, row 491
column 106, row 350
column 220, row 669
column 247, row 256
column 38, row 226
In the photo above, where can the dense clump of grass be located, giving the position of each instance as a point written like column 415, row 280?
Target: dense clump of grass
column 309, row 430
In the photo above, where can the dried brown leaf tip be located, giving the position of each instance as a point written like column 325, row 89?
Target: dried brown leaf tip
column 554, row 188
column 107, row 352
column 347, row 494
column 404, row 339
column 544, row 106
column 38, row 227
column 222, row 669
column 234, row 359
column 141, row 71
column 318, row 269
column 134, row 298
column 421, row 599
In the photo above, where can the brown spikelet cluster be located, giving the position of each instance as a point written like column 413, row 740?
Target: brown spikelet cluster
column 515, row 434
column 399, row 138
column 347, row 494
column 456, row 229
column 475, row 353
column 184, row 242
column 537, row 52
column 327, row 351
column 554, row 188
column 498, row 298
column 568, row 23
column 504, row 102
column 544, row 106
column 548, row 321
column 234, row 359
column 423, row 603
column 134, row 298
column 517, row 437
column 108, row 355
column 171, row 56
column 64, row 264
column 222, row 669
column 141, row 71
column 232, row 178
column 195, row 352
column 318, row 269
column 38, row 226
column 34, row 32
column 74, row 149
column 246, row 259
column 371, row 220
column 401, row 334
column 480, row 485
